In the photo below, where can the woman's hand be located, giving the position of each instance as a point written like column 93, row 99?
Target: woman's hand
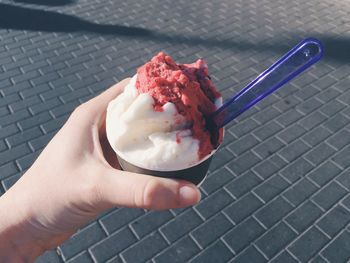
column 72, row 181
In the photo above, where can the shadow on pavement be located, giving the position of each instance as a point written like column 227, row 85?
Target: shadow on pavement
column 16, row 17
column 46, row 2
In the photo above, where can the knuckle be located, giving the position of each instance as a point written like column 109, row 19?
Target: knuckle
column 150, row 194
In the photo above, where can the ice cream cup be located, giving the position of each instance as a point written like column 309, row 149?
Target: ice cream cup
column 194, row 174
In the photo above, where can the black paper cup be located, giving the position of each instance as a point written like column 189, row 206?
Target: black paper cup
column 194, row 174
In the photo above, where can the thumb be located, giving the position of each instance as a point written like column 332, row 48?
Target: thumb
column 125, row 189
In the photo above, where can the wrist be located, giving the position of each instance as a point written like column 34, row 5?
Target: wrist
column 17, row 244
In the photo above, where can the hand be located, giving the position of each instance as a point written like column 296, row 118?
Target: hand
column 73, row 180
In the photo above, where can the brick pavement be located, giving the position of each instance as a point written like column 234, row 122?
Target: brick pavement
column 278, row 190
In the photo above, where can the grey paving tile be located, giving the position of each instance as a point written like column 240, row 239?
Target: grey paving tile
column 304, row 216
column 243, row 163
column 266, row 169
column 242, row 184
column 271, row 187
column 275, row 239
column 324, row 173
column 329, row 195
column 217, row 252
column 294, row 150
column 320, row 153
column 217, row 180
column 268, row 147
column 181, row 225
column 284, row 257
column 273, row 211
column 119, row 218
column 149, row 222
column 113, row 244
column 267, row 130
column 81, row 258
column 214, row 203
column 250, row 255
column 243, row 207
column 296, row 169
column 300, row 191
column 335, row 220
column 313, row 239
column 243, row 144
column 181, row 251
column 317, row 135
column 145, row 249
column 82, row 240
column 243, row 234
column 211, row 230
column 339, row 248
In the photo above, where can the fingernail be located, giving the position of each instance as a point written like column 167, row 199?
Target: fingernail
column 189, row 195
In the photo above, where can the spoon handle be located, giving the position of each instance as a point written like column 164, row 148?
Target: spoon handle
column 298, row 59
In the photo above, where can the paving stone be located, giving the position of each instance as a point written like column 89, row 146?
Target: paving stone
column 119, row 218
column 10, row 181
column 243, row 144
column 217, row 180
column 268, row 147
column 320, row 153
column 266, row 169
column 299, row 192
column 242, row 184
column 243, row 234
column 214, row 203
column 317, row 135
column 181, row 225
column 82, row 240
column 289, row 117
column 218, row 252
column 324, row 173
column 335, row 220
column 284, row 257
column 339, row 248
column 304, row 216
column 81, row 258
column 24, row 136
column 275, row 239
column 7, row 170
column 211, row 230
column 243, row 207
column 250, row 255
column 340, row 139
column 296, row 169
column 114, row 244
column 312, row 120
column 149, row 222
column 243, row 163
column 271, row 188
column 144, row 249
column 312, row 239
column 267, row 130
column 336, row 123
column 180, row 251
column 329, row 195
column 294, row 150
column 273, row 211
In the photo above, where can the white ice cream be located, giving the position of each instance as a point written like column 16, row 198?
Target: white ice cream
column 147, row 138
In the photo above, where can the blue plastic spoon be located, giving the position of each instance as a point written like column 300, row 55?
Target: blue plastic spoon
column 298, row 59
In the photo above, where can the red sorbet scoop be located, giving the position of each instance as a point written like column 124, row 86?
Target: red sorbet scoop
column 189, row 87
